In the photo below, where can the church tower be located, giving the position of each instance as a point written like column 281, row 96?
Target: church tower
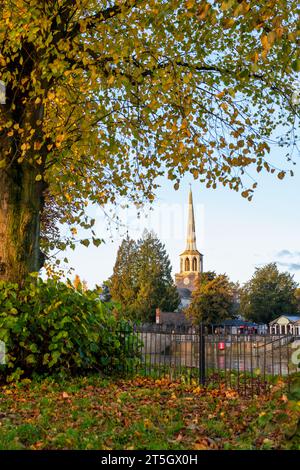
column 191, row 260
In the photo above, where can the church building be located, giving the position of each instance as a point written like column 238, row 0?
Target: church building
column 191, row 267
column 191, row 260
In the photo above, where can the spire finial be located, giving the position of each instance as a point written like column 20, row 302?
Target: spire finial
column 191, row 232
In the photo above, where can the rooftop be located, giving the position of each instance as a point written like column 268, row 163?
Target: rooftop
column 291, row 318
column 184, row 293
column 237, row 323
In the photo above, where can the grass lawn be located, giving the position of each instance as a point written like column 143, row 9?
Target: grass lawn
column 97, row 413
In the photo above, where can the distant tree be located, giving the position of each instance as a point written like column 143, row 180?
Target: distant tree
column 213, row 300
column 297, row 297
column 79, row 284
column 268, row 294
column 143, row 281
column 123, row 282
column 156, row 285
column 236, row 308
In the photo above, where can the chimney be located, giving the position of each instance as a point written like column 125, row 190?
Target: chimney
column 157, row 315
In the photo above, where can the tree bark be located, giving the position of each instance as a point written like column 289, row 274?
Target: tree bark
column 21, row 200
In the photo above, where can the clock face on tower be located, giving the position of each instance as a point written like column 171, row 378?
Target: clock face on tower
column 186, row 281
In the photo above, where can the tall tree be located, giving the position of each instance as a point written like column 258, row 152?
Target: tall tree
column 147, row 283
column 102, row 97
column 123, row 284
column 213, row 300
column 157, row 287
column 268, row 294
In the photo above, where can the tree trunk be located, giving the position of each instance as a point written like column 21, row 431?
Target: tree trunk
column 20, row 206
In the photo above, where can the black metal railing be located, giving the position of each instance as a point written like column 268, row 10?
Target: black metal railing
column 207, row 354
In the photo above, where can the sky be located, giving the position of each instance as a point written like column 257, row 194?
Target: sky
column 234, row 235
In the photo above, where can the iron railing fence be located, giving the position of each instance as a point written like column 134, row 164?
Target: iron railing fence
column 208, row 354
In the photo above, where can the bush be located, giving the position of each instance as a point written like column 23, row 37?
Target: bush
column 50, row 327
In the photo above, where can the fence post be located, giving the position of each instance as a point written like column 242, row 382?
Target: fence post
column 201, row 354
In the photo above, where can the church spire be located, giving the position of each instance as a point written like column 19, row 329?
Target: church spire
column 191, row 232
column 191, row 260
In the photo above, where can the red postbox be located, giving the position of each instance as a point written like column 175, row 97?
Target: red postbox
column 221, row 346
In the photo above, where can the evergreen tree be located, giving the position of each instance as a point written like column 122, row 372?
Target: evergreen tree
column 268, row 295
column 156, row 286
column 142, row 281
column 123, row 282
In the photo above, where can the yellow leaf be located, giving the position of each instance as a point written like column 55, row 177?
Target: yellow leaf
column 265, row 42
column 203, row 11
column 190, row 4
column 148, row 424
column 38, row 177
column 221, row 94
column 228, row 23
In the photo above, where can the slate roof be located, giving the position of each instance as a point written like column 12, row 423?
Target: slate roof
column 291, row 318
column 173, row 318
column 184, row 293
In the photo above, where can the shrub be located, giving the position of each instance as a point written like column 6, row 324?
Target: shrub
column 50, row 327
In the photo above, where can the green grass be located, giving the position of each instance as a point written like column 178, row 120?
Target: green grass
column 143, row 413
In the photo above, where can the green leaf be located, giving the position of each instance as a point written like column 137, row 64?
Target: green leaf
column 296, row 65
column 97, row 241
column 85, row 242
column 30, row 359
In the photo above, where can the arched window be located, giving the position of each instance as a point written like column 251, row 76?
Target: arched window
column 181, row 265
column 187, row 264
column 194, row 264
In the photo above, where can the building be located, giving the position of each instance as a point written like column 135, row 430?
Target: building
column 171, row 319
column 191, row 267
column 285, row 324
column 185, row 297
column 242, row 327
column 191, row 260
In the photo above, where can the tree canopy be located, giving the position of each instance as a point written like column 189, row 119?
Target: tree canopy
column 102, row 97
column 213, row 299
column 269, row 294
column 142, row 279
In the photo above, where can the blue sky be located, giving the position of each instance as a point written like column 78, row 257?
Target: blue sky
column 234, row 235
